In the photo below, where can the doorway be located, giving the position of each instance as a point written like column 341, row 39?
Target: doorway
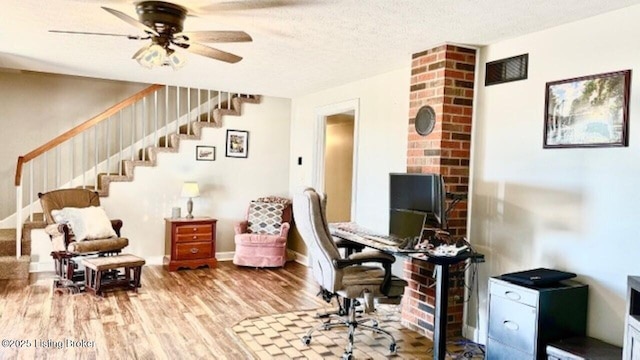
column 336, row 159
column 338, row 166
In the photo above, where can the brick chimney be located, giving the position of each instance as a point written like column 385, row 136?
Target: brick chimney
column 443, row 78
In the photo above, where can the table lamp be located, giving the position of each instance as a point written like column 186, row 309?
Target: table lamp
column 190, row 190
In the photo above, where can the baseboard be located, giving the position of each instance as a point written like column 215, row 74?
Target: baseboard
column 225, row 256
column 301, row 259
column 154, row 260
column 42, row 266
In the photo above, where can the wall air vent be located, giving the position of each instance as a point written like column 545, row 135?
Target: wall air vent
column 506, row 70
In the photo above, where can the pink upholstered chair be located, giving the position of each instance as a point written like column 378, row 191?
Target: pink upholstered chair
column 261, row 239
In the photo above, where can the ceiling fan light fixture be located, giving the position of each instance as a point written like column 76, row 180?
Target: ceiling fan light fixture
column 154, row 55
column 176, row 60
column 163, row 23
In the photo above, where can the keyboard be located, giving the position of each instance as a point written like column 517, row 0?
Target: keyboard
column 382, row 239
column 343, row 233
column 349, row 233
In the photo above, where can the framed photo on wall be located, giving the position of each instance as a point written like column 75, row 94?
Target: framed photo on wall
column 205, row 153
column 589, row 111
column 237, row 143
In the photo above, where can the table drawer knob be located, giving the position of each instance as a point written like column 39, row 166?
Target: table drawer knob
column 195, row 229
column 512, row 295
column 195, row 236
column 194, row 250
column 510, row 325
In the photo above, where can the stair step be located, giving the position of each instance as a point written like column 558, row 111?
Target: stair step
column 12, row 268
column 8, row 243
column 37, row 217
column 7, row 234
column 37, row 222
column 8, row 247
column 186, row 129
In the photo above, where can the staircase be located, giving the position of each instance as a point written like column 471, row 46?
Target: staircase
column 129, row 134
column 147, row 156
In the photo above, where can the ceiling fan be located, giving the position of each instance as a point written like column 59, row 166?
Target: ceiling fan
column 162, row 23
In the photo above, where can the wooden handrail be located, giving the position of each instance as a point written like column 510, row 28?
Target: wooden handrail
column 80, row 128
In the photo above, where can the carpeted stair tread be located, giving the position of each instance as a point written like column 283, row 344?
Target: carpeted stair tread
column 38, row 217
column 14, row 268
column 7, row 234
column 8, row 243
column 37, row 222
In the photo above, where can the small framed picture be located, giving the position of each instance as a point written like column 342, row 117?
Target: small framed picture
column 205, row 153
column 237, row 143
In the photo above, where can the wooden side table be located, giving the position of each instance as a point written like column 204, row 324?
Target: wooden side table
column 190, row 243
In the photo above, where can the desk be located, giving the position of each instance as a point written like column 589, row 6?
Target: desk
column 442, row 263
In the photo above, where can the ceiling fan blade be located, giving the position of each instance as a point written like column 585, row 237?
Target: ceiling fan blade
column 239, row 5
column 131, row 21
column 133, row 37
column 213, row 53
column 216, row 36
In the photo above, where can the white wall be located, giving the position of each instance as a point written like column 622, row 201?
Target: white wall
column 569, row 209
column 36, row 107
column 381, row 139
column 227, row 185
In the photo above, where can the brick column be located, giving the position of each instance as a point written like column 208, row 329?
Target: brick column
column 443, row 78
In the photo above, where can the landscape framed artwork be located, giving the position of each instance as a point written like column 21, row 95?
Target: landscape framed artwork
column 589, row 111
column 205, row 153
column 237, row 143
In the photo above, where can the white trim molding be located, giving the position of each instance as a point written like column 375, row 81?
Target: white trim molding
column 322, row 113
column 301, row 258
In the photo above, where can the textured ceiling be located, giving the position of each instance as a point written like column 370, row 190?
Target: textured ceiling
column 299, row 46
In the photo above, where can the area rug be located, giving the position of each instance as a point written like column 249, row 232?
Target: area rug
column 278, row 337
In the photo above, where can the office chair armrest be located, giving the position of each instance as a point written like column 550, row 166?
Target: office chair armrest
column 241, row 227
column 116, row 225
column 346, row 244
column 364, row 257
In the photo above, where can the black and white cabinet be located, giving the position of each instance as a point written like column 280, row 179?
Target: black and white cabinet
column 523, row 319
column 632, row 321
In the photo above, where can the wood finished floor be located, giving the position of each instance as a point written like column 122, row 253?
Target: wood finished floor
column 176, row 315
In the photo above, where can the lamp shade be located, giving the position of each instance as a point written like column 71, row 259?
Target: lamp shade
column 190, row 190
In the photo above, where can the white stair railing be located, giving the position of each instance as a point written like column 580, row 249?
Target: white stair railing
column 122, row 132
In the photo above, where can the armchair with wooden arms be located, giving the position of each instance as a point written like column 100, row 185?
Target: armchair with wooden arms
column 261, row 239
column 90, row 223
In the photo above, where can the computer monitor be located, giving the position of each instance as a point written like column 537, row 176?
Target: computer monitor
column 405, row 223
column 419, row 192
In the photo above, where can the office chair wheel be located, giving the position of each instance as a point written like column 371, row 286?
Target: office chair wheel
column 393, row 348
column 347, row 356
column 374, row 323
column 306, row 340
